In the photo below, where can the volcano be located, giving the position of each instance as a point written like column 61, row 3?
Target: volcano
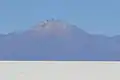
column 58, row 40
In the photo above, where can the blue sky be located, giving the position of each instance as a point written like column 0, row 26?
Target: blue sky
column 94, row 16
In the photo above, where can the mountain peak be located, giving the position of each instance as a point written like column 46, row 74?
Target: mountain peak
column 51, row 24
column 55, row 27
column 52, row 27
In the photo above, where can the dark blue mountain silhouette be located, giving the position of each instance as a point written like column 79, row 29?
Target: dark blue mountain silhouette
column 57, row 40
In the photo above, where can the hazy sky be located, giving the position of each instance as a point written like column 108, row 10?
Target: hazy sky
column 96, row 16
